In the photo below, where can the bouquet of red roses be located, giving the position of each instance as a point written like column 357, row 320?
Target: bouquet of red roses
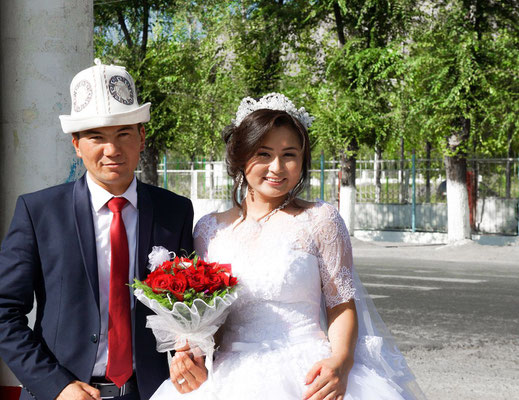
column 191, row 298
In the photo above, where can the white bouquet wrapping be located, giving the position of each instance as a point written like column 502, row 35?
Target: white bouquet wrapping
column 198, row 324
column 191, row 300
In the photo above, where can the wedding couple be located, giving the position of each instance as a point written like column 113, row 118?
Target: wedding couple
column 302, row 327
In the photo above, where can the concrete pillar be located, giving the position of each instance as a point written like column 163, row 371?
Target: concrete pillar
column 43, row 45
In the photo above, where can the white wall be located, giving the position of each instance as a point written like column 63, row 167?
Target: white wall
column 430, row 217
column 205, row 206
column 497, row 216
column 493, row 216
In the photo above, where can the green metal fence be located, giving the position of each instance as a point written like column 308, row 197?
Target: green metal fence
column 493, row 184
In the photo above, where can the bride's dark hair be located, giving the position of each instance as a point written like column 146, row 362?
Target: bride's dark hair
column 243, row 141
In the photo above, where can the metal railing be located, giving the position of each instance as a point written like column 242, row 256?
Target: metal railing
column 414, row 182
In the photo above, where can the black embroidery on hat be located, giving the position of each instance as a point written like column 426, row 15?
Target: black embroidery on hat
column 82, row 95
column 121, row 90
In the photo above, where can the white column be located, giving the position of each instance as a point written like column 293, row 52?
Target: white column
column 43, row 45
column 347, row 207
column 457, row 211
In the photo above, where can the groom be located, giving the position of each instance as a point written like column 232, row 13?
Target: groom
column 76, row 246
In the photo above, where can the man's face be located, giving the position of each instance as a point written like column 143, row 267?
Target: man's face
column 111, row 154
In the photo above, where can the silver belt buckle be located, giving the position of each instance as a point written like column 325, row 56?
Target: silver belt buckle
column 109, row 390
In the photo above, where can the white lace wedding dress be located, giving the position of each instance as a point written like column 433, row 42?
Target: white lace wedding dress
column 287, row 268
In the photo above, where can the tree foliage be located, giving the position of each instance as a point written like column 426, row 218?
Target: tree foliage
column 356, row 97
column 461, row 68
column 264, row 35
column 372, row 72
column 181, row 66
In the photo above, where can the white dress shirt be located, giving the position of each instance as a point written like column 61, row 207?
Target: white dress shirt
column 102, row 218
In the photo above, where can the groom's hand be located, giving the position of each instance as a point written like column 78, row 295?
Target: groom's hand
column 77, row 390
column 187, row 372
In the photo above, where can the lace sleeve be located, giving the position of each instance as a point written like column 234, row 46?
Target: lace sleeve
column 334, row 254
column 204, row 231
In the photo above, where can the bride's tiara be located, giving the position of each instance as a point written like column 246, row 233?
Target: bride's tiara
column 272, row 101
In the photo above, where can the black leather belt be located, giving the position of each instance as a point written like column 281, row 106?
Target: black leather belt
column 110, row 390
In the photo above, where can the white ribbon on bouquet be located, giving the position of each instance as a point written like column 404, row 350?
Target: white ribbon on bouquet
column 196, row 324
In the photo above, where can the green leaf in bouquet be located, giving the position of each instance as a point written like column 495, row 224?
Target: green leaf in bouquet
column 161, row 298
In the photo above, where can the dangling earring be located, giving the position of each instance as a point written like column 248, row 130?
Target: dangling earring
column 251, row 191
column 239, row 185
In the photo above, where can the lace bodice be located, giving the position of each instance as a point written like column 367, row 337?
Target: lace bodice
column 284, row 267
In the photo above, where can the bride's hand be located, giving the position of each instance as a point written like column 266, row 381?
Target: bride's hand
column 187, row 372
column 327, row 379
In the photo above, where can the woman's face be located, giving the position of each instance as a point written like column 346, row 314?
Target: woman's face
column 276, row 167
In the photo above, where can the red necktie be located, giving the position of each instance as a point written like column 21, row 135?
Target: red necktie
column 120, row 361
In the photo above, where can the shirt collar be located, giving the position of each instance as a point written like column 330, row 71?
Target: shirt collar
column 100, row 196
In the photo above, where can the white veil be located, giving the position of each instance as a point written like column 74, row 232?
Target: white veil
column 376, row 347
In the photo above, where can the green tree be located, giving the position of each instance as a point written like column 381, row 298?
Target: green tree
column 264, row 36
column 454, row 79
column 122, row 35
column 357, row 89
column 181, row 67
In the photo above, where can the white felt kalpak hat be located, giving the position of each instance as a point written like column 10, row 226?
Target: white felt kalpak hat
column 103, row 95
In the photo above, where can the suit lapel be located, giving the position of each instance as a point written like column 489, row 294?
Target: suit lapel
column 145, row 228
column 86, row 234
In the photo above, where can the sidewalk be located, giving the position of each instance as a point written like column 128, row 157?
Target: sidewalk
column 467, row 251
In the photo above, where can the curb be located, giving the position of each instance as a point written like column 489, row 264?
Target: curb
column 431, row 238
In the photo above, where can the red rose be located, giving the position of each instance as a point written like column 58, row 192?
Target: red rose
column 161, row 282
column 224, row 267
column 223, row 271
column 185, row 262
column 196, row 278
column 205, row 264
column 167, row 266
column 182, row 262
column 226, row 278
column 213, row 282
column 153, row 275
column 188, row 271
column 178, row 286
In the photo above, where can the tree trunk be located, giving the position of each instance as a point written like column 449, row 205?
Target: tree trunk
column 378, row 173
column 348, row 190
column 149, row 165
column 428, row 147
column 145, row 28
column 211, row 177
column 508, row 173
column 509, row 165
column 194, row 180
column 339, row 23
column 457, row 195
column 402, row 178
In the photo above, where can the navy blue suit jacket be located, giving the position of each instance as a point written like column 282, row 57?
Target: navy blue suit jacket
column 50, row 252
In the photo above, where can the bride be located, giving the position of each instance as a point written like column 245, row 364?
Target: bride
column 303, row 326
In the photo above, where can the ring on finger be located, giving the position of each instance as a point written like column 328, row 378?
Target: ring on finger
column 181, row 381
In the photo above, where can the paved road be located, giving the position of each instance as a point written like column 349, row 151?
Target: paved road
column 454, row 314
column 433, row 304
